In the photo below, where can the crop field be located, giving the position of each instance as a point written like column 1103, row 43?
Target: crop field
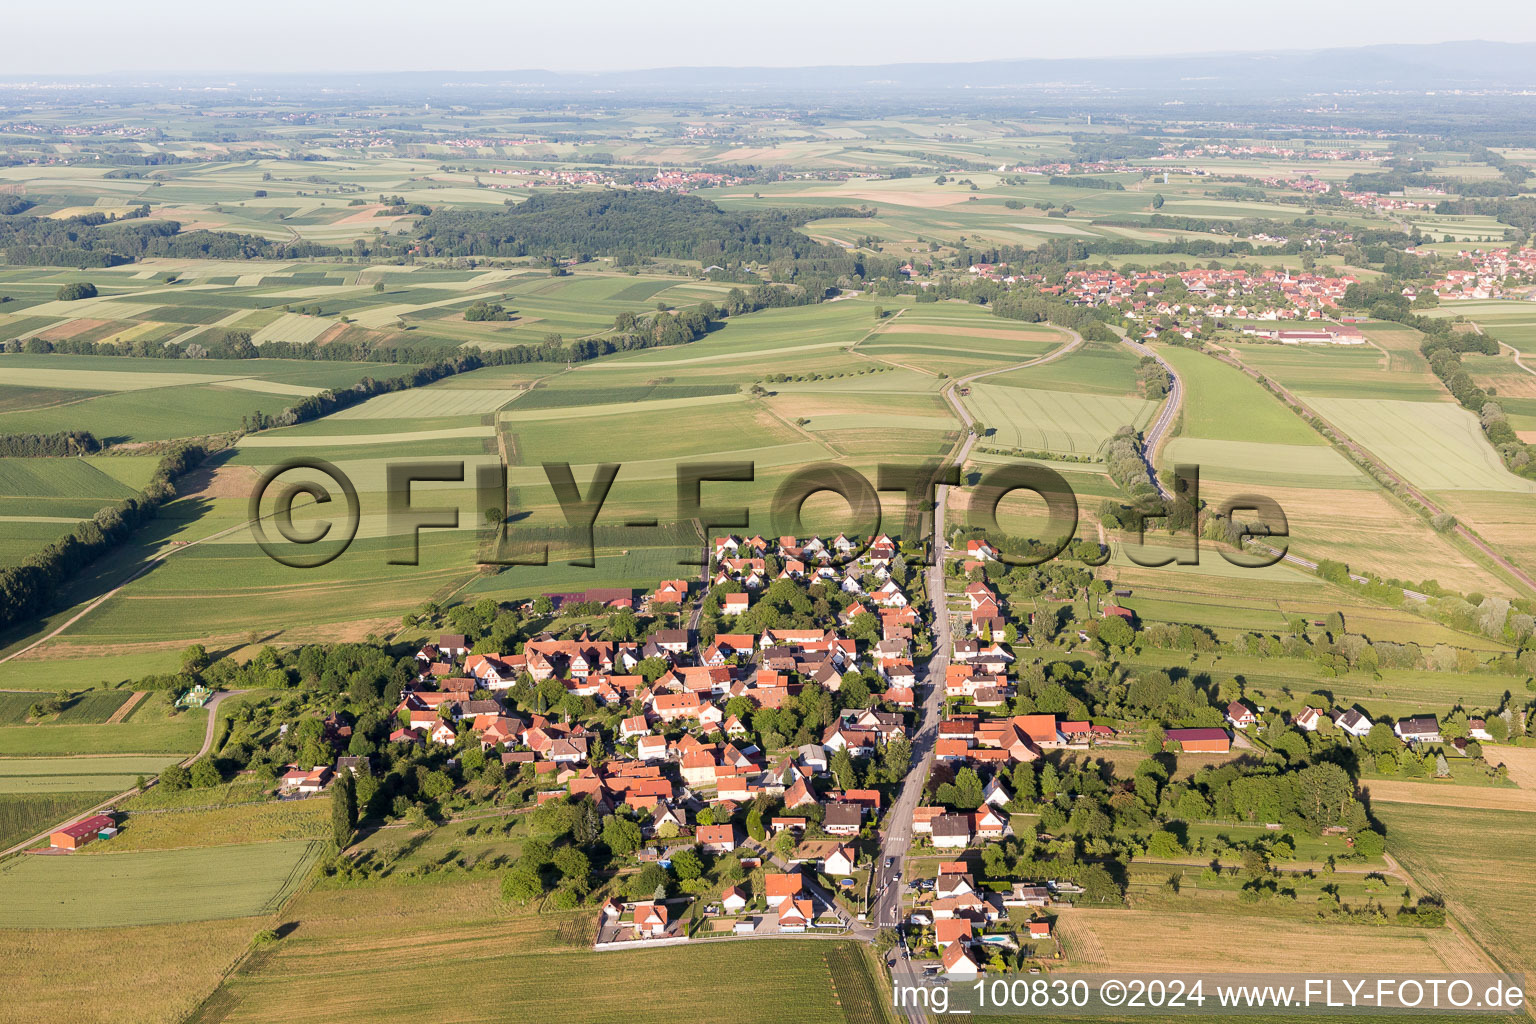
column 424, row 402
column 1285, row 465
column 86, row 708
column 1437, row 446
column 23, row 815
column 1222, row 403
column 76, row 774
column 1092, row 368
column 341, row 966
column 84, row 974
column 1116, row 939
column 1475, row 879
column 159, row 887
column 1361, row 371
column 1076, row 423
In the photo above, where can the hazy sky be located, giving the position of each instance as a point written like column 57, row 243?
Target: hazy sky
column 589, row 35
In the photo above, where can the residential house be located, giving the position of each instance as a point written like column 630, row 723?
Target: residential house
column 951, row 831
column 1421, row 729
column 843, row 819
column 717, row 838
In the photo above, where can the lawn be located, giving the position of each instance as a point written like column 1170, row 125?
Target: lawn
column 161, row 887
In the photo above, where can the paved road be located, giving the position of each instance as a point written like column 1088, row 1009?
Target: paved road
column 888, row 878
column 1156, row 434
column 213, row 721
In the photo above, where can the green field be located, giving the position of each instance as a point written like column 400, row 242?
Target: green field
column 76, row 774
column 1437, row 446
column 161, row 887
column 1222, row 403
column 1077, row 423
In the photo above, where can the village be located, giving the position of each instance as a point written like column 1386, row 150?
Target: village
column 862, row 777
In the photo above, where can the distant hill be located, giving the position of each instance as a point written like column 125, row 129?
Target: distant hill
column 1410, row 67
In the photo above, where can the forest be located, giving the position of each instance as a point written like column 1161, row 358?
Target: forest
column 661, row 225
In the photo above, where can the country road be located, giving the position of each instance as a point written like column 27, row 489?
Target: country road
column 888, row 874
column 1156, row 434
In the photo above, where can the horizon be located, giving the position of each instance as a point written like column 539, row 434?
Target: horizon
column 185, row 38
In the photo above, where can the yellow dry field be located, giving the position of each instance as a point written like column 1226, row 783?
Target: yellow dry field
column 1145, row 940
column 1366, row 529
column 1501, row 518
column 969, row 332
column 156, row 974
column 1451, row 795
column 1520, row 760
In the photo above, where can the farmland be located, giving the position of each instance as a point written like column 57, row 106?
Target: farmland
column 593, row 279
column 348, row 936
column 159, row 887
column 1475, row 879
column 68, row 970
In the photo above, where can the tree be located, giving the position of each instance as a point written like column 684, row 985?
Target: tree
column 194, row 659
column 343, row 810
column 687, row 864
column 621, row 835
column 897, row 758
column 522, row 884
column 644, row 883
column 842, row 770
column 174, row 778
column 755, row 825
column 1380, row 739
column 575, row 869
column 968, row 789
column 77, row 290
column 205, row 774
column 1164, row 845
column 1116, row 632
column 1157, row 201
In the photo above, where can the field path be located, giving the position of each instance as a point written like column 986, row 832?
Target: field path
column 128, row 706
column 1157, row 433
column 966, row 419
column 1517, row 354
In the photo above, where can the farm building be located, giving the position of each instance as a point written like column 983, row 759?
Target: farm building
column 1200, row 741
column 72, row 837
